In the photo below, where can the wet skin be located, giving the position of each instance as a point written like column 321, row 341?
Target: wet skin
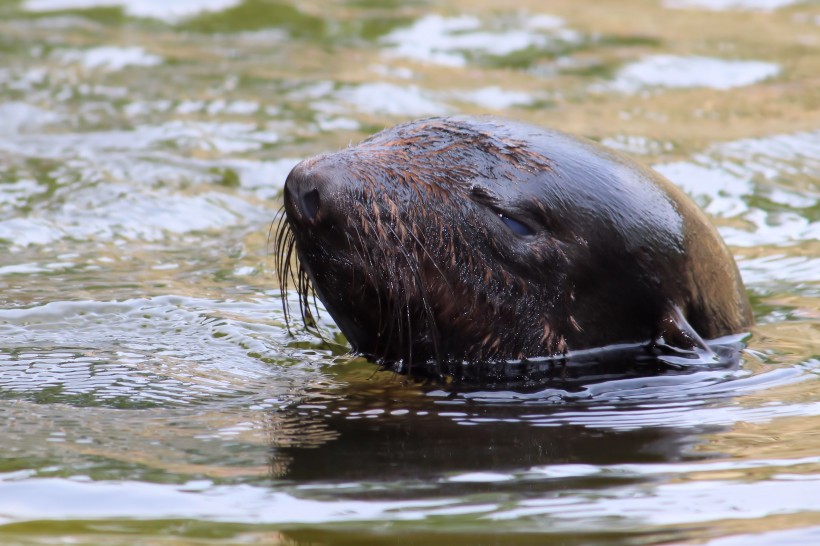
column 482, row 240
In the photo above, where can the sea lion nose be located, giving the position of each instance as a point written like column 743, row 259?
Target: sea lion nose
column 310, row 203
column 307, row 194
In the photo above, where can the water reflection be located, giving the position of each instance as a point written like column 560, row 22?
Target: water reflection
column 421, row 445
column 399, row 433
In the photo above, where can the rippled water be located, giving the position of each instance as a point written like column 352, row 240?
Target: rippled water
column 150, row 392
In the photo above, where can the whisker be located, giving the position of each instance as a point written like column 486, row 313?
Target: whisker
column 284, row 242
column 290, row 271
column 377, row 266
column 425, row 299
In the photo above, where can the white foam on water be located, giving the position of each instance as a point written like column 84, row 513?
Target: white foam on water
column 636, row 144
column 724, row 5
column 696, row 501
column 261, row 176
column 167, row 10
column 111, row 58
column 719, row 193
column 24, row 497
column 17, row 194
column 442, row 40
column 29, row 231
column 772, row 228
column 21, row 269
column 779, row 268
column 481, row 477
column 495, row 97
column 804, row 536
column 237, row 107
column 542, row 21
column 726, row 177
column 59, row 498
column 23, row 117
column 140, row 108
column 333, row 123
column 673, row 71
column 228, row 137
column 411, row 100
column 114, row 211
column 394, row 100
column 123, row 184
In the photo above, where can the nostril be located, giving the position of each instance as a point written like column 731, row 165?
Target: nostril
column 310, row 204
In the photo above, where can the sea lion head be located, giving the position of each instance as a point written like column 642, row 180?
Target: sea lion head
column 424, row 242
column 478, row 240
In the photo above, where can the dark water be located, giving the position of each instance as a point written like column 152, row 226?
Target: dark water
column 150, row 392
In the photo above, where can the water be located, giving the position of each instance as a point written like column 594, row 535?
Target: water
column 150, row 391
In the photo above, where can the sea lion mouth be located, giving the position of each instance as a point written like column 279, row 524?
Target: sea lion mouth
column 379, row 300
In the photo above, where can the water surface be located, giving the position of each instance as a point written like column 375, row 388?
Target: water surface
column 150, row 391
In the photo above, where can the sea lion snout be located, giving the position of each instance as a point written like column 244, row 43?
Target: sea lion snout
column 312, row 195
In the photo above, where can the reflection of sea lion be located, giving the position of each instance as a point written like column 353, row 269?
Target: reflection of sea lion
column 483, row 240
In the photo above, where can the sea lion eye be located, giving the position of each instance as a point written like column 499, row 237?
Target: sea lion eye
column 517, row 227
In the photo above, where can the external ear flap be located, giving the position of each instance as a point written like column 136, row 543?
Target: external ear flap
column 678, row 343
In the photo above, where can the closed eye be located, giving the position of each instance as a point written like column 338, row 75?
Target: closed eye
column 485, row 198
column 519, row 228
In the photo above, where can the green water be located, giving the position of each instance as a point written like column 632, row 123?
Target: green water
column 150, row 392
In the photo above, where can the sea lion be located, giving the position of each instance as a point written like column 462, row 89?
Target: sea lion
column 483, row 240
